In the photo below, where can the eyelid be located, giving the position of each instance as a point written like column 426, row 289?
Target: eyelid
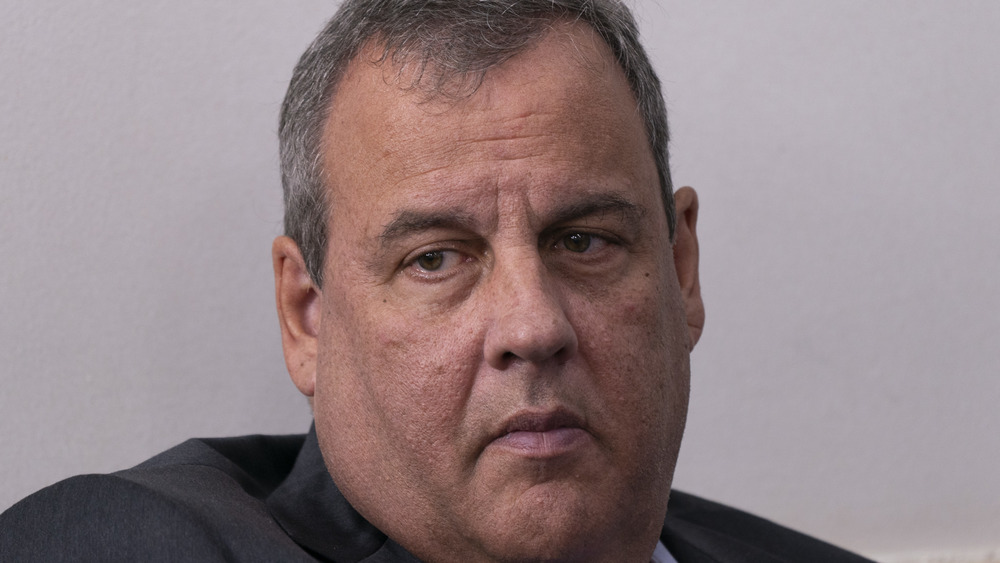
column 445, row 256
column 459, row 250
column 559, row 235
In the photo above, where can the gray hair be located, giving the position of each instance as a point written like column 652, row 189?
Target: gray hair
column 456, row 42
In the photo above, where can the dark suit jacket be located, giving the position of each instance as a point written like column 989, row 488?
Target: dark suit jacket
column 270, row 498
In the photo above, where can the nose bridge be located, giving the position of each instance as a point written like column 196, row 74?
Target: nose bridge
column 530, row 322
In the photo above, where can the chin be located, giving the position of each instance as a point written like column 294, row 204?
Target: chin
column 560, row 522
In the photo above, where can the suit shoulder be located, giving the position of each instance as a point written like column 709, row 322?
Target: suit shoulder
column 723, row 533
column 257, row 464
column 202, row 500
column 99, row 517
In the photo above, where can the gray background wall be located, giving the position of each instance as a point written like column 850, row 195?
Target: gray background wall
column 846, row 157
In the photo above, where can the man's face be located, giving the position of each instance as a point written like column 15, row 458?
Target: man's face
column 502, row 354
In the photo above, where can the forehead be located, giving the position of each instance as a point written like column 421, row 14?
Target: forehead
column 565, row 99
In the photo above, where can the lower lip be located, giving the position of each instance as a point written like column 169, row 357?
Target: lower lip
column 549, row 443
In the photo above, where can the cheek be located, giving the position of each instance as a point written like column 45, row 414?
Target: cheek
column 637, row 319
column 421, row 362
column 400, row 378
column 635, row 344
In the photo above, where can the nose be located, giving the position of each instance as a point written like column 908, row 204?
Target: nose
column 529, row 317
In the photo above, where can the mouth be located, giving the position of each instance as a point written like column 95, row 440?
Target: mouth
column 541, row 434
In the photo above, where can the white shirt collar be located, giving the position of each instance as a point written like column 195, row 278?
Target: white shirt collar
column 661, row 555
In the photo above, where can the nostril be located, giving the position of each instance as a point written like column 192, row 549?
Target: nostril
column 562, row 356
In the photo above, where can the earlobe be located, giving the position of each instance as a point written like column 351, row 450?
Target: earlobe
column 686, row 260
column 299, row 302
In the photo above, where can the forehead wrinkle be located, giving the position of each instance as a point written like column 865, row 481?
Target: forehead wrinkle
column 485, row 152
column 496, row 138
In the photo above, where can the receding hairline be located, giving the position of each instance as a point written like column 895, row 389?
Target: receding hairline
column 457, row 87
column 425, row 74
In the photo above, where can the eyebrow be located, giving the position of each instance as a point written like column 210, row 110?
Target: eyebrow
column 599, row 204
column 409, row 222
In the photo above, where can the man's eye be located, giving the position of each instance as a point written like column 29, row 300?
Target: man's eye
column 577, row 242
column 430, row 261
column 436, row 261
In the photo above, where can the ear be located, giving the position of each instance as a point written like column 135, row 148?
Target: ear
column 299, row 302
column 686, row 260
